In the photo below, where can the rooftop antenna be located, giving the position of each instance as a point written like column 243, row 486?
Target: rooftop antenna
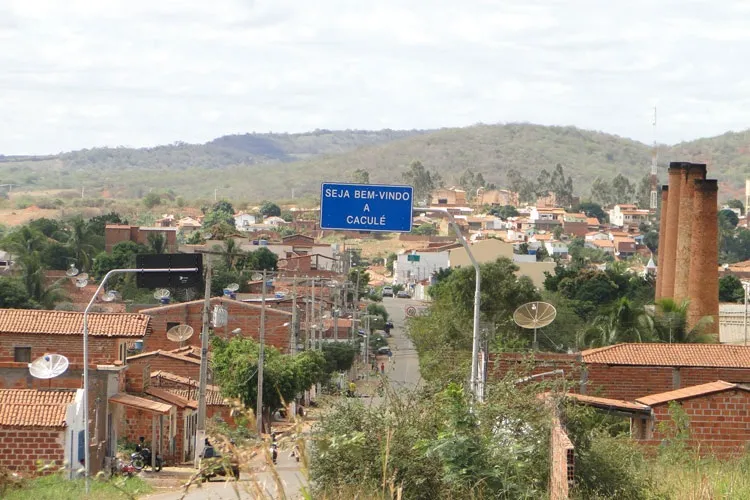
column 534, row 315
column 82, row 280
column 180, row 333
column 48, row 367
column 72, row 271
column 654, row 170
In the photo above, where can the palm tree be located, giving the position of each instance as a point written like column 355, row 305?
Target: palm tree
column 232, row 253
column 623, row 323
column 668, row 324
column 79, row 241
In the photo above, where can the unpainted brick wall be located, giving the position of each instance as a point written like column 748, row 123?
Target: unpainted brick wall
column 719, row 423
column 20, row 448
column 137, row 423
column 183, row 368
column 561, row 462
column 102, row 350
column 240, row 316
column 518, row 365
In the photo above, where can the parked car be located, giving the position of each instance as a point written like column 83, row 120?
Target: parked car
column 385, row 351
column 403, row 294
column 387, row 291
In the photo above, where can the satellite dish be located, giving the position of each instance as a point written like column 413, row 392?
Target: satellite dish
column 534, row 315
column 180, row 333
column 72, row 271
column 109, row 296
column 161, row 293
column 81, row 283
column 83, row 276
column 232, row 287
column 257, row 276
column 48, row 366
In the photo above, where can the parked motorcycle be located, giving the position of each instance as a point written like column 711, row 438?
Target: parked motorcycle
column 142, row 458
column 120, row 468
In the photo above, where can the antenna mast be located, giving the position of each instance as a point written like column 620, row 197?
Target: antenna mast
column 654, row 179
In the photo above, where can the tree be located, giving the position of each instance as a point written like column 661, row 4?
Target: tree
column 80, row 243
column 157, row 242
column 557, row 232
column 378, row 310
column 651, row 240
column 151, row 200
column 592, row 209
column 220, row 212
column 518, row 183
column 269, row 209
column 471, row 182
column 122, row 257
column 423, row 181
column 541, row 253
column 260, row 259
column 364, row 280
column 235, row 368
column 561, row 186
column 643, row 194
column 505, row 212
column 392, row 257
column 730, row 289
column 602, row 193
column 735, row 203
column 13, row 295
column 339, row 356
column 361, row 176
column 728, row 219
column 669, row 324
column 623, row 323
column 622, row 190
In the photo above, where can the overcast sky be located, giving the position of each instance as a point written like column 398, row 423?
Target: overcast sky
column 84, row 73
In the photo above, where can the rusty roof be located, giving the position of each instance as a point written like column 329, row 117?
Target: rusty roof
column 653, row 354
column 43, row 322
column 141, row 403
column 609, row 404
column 689, row 392
column 34, row 407
column 171, row 398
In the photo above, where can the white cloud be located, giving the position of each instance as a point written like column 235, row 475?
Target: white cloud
column 85, row 73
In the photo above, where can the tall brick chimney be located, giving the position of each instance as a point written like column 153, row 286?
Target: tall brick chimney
column 704, row 275
column 662, row 234
column 669, row 250
column 690, row 173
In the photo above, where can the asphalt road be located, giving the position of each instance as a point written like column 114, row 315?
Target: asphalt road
column 402, row 372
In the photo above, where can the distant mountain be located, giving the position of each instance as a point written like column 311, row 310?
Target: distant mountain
column 256, row 166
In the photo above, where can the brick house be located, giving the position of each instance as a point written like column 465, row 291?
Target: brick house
column 242, row 315
column 719, row 421
column 141, row 365
column 117, row 233
column 40, row 425
column 26, row 334
column 628, row 371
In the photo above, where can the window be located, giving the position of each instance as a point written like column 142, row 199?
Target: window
column 22, row 354
column 123, row 352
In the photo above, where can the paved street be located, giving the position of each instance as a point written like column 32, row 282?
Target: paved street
column 402, row 371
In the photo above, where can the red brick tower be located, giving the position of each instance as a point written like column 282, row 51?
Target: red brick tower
column 670, row 238
column 690, row 173
column 704, row 276
column 662, row 234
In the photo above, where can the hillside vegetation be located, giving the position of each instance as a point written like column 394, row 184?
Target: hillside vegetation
column 255, row 166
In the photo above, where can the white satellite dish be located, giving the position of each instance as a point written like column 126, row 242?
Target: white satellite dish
column 48, row 366
column 109, row 296
column 180, row 333
column 534, row 315
column 232, row 287
column 161, row 293
column 257, row 276
column 72, row 271
column 81, row 283
column 83, row 276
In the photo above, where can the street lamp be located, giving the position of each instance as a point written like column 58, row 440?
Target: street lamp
column 473, row 382
column 746, row 288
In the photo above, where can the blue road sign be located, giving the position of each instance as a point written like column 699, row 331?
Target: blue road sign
column 366, row 207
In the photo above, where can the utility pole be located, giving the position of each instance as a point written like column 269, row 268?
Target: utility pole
column 201, row 424
column 312, row 311
column 261, row 355
column 293, row 340
column 336, row 317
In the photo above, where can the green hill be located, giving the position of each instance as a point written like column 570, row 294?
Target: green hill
column 255, row 166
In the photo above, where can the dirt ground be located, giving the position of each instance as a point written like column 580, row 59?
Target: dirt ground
column 15, row 216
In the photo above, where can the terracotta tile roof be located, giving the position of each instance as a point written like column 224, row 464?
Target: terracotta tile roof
column 603, row 243
column 168, row 354
column 141, row 403
column 172, row 398
column 607, row 404
column 34, row 408
column 213, row 398
column 689, row 392
column 42, row 322
column 718, row 355
column 190, row 351
column 178, row 379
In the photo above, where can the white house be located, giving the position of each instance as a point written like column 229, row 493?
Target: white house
column 556, row 248
column 244, row 221
column 417, row 265
column 626, row 215
column 546, row 214
column 274, row 221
